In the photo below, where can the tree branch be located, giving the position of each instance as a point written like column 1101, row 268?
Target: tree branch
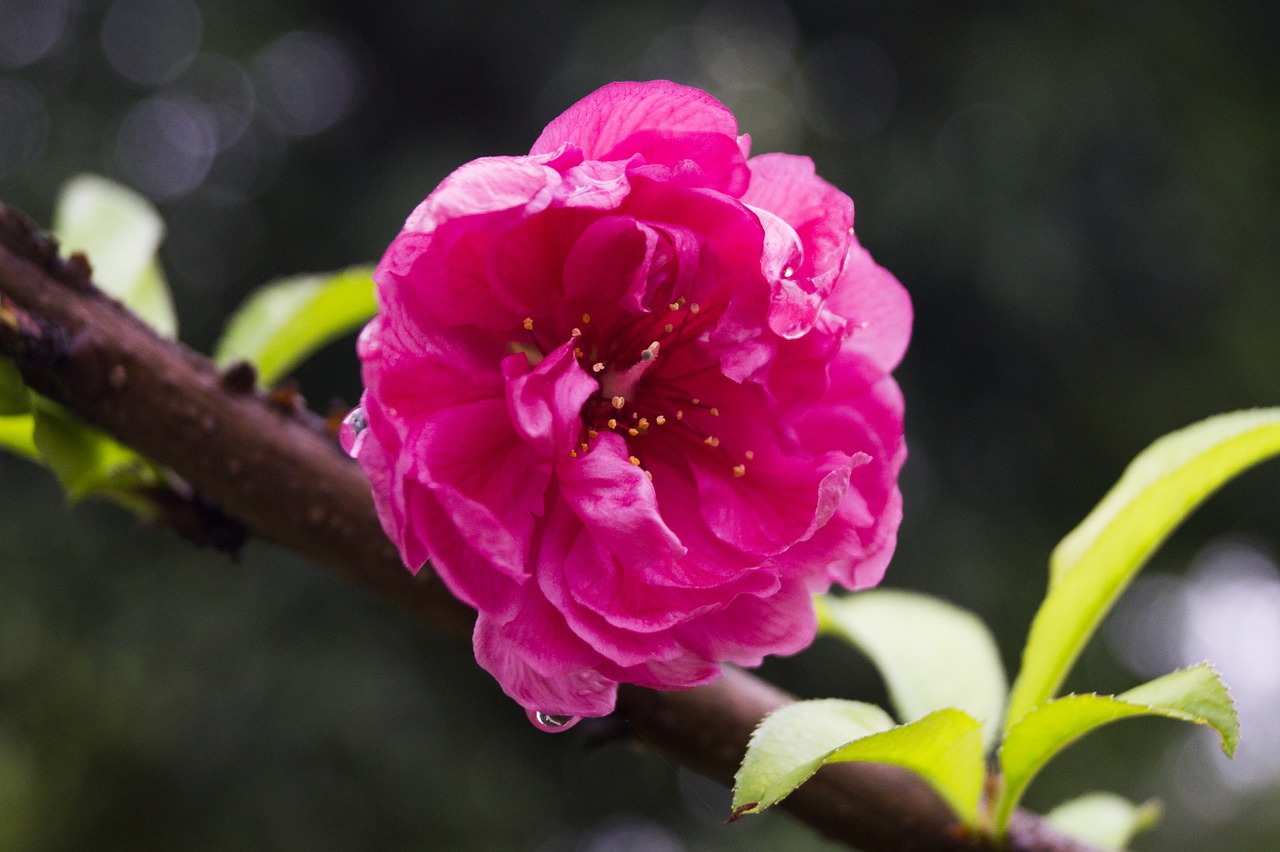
column 286, row 481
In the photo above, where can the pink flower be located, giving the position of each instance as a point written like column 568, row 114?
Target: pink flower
column 630, row 396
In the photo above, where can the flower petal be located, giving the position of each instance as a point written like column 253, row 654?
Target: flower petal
column 545, row 403
column 541, row 664
column 664, row 122
column 752, row 627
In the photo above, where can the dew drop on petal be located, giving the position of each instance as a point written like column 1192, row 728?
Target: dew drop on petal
column 351, row 432
column 552, row 724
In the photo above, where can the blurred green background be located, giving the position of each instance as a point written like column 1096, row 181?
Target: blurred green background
column 1083, row 199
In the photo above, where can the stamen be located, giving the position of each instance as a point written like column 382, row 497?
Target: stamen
column 597, row 367
column 679, row 413
column 577, row 332
column 669, row 328
column 635, row 461
column 586, row 318
column 739, row 470
column 661, row 419
column 749, row 454
column 650, row 352
column 593, row 434
column 712, row 441
column 612, row 424
column 674, row 307
column 528, row 323
column 633, row 432
column 619, row 402
column 694, row 308
column 643, row 424
column 649, row 474
column 584, row 446
column 715, row 412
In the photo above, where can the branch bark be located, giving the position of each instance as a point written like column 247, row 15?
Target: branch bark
column 286, row 481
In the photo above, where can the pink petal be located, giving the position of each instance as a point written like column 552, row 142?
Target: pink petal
column 617, row 505
column 541, row 664
column 683, row 672
column 752, row 627
column 664, row 122
column 564, row 538
column 821, row 217
column 545, row 403
column 501, row 189
column 877, row 308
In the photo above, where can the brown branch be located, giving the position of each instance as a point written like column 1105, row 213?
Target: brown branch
column 283, row 480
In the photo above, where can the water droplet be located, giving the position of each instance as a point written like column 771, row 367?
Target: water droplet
column 351, row 433
column 550, row 723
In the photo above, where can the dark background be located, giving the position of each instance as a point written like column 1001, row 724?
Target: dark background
column 1082, row 198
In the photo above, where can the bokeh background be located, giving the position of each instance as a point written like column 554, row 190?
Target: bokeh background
column 1083, row 199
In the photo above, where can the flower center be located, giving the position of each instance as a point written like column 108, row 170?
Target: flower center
column 643, row 365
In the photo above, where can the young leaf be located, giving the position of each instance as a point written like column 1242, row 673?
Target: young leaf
column 1094, row 564
column 1195, row 694
column 120, row 232
column 284, row 322
column 792, row 743
column 89, row 462
column 13, row 391
column 1104, row 820
column 16, row 436
column 931, row 654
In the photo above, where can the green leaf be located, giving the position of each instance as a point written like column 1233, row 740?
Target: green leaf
column 120, row 232
column 1195, row 694
column 284, row 322
column 792, row 743
column 1094, row 564
column 89, row 462
column 13, row 391
column 16, row 436
column 1104, row 820
column 931, row 654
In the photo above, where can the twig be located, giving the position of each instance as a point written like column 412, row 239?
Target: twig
column 273, row 472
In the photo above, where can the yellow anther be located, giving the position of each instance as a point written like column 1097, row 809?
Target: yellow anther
column 593, row 434
column 694, row 308
column 697, row 401
column 661, row 419
column 528, row 323
column 577, row 352
column 597, row 367
column 643, row 424
column 715, row 412
column 586, row 318
column 573, row 454
column 679, row 413
column 712, row 441
column 649, row 474
column 577, row 332
column 750, row 455
column 673, row 306
column 669, row 328
column 739, row 470
column 633, row 432
column 619, row 402
column 612, row 424
column 635, row 461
